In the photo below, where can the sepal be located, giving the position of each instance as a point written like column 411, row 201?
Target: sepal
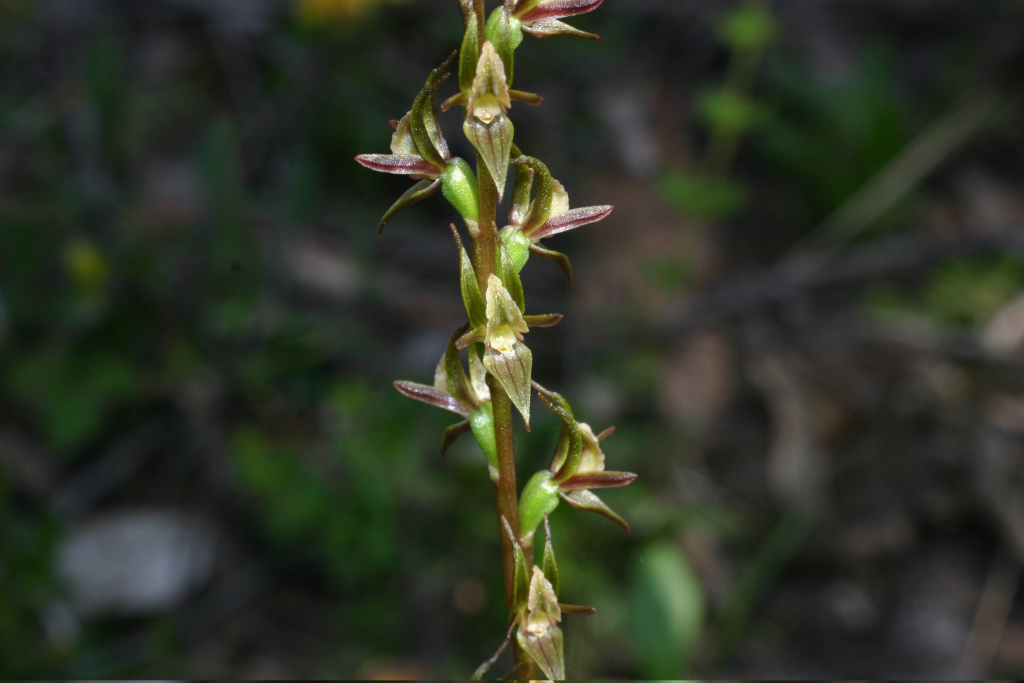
column 560, row 259
column 431, row 396
column 470, row 51
column 597, row 480
column 555, row 9
column 548, row 28
column 451, row 434
column 506, row 34
column 487, row 126
column 426, row 131
column 572, row 219
column 417, row 193
column 538, row 633
column 585, row 500
column 509, row 275
column 505, row 322
column 397, row 164
column 576, row 610
column 527, row 98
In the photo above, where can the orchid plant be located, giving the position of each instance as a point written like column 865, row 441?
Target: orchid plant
column 500, row 364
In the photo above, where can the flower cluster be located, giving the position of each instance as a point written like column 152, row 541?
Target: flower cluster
column 500, row 363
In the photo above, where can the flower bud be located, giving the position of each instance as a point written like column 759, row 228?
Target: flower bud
column 517, row 244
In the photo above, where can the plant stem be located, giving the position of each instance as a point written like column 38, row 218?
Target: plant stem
column 481, row 19
column 508, row 504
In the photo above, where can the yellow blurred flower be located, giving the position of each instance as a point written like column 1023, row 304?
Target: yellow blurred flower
column 319, row 12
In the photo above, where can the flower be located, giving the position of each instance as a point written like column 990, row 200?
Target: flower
column 548, row 214
column 577, row 467
column 541, row 18
column 467, row 396
column 419, row 150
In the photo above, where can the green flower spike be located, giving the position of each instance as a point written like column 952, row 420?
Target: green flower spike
column 419, row 150
column 548, row 214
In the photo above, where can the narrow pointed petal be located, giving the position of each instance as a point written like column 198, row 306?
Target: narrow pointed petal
column 456, row 380
column 453, row 433
column 416, row 193
column 528, row 98
column 572, row 219
column 470, row 52
column 459, row 98
column 509, row 275
column 544, row 320
column 477, row 334
column 425, row 130
column 571, row 428
column 577, row 610
column 548, row 565
column 431, row 396
column 472, row 297
column 548, row 28
column 559, row 9
column 606, row 433
column 506, row 37
column 521, row 573
column 560, row 259
column 546, row 651
column 521, row 191
column 513, row 368
column 585, row 500
column 398, row 165
column 540, row 210
column 597, row 480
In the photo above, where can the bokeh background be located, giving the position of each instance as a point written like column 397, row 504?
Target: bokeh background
column 805, row 317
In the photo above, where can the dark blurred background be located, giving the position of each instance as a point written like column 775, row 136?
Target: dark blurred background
column 805, row 317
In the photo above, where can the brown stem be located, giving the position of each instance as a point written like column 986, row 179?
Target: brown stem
column 481, row 19
column 483, row 242
column 508, row 504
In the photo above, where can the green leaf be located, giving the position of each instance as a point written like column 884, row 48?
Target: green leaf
column 516, row 243
column 520, row 573
column 667, row 606
column 548, row 565
column 502, row 31
column 470, row 52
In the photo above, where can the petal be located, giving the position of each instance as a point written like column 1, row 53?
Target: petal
column 521, row 193
column 431, row 396
column 548, row 564
column 397, row 164
column 453, row 433
column 570, row 430
column 597, row 480
column 585, row 500
column 416, row 193
column 540, row 210
column 456, row 381
column 512, row 369
column 503, row 315
column 576, row 610
column 402, row 142
column 521, row 573
column 560, row 259
column 528, row 98
column 572, row 219
column 472, row 297
column 559, row 9
column 545, row 320
column 425, row 130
